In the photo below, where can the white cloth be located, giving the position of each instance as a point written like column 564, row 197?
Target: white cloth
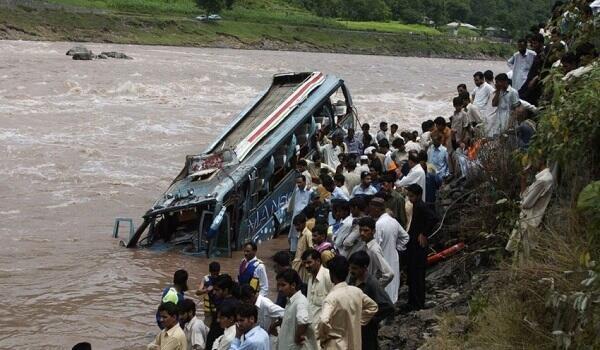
column 359, row 191
column 520, row 65
column 509, row 100
column 425, row 140
column 345, row 310
column 416, row 175
column 195, row 333
column 339, row 193
column 330, row 154
column 318, row 288
column 481, row 95
column 412, row 146
column 391, row 237
column 223, row 342
column 342, row 234
column 268, row 311
column 296, row 313
column 378, row 266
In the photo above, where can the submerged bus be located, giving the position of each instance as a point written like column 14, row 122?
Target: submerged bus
column 238, row 189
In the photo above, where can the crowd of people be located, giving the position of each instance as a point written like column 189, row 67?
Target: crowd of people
column 363, row 210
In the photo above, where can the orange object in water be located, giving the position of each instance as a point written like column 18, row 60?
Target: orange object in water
column 432, row 259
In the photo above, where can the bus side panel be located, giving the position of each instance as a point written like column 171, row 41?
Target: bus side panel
column 271, row 215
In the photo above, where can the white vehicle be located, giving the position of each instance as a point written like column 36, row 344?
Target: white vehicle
column 202, row 18
column 214, row 17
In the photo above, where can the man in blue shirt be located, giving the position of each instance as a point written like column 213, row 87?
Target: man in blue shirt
column 299, row 200
column 438, row 156
column 249, row 335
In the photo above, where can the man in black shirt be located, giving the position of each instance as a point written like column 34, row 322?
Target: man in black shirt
column 423, row 221
column 360, row 277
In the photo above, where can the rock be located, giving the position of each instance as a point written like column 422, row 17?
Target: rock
column 426, row 315
column 78, row 49
column 84, row 56
column 118, row 55
column 454, row 295
column 101, row 57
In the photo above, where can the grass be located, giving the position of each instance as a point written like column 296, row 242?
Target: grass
column 390, row 27
column 250, row 24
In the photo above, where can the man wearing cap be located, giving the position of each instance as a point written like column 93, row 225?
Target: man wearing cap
column 374, row 159
column 392, row 238
column 364, row 164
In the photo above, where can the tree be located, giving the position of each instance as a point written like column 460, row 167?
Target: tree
column 365, row 10
column 210, row 6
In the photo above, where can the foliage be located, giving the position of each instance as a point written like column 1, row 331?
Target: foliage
column 515, row 16
column 568, row 131
column 210, row 6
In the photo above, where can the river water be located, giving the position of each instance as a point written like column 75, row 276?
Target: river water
column 83, row 142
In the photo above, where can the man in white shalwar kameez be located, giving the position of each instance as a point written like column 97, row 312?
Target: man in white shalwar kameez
column 391, row 237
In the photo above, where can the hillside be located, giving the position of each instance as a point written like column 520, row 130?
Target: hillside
column 274, row 24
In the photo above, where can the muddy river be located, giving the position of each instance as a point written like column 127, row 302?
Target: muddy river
column 83, row 142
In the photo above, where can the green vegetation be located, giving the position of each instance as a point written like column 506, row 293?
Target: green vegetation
column 550, row 300
column 270, row 24
column 515, row 16
column 390, row 27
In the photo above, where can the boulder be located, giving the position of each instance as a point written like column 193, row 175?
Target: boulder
column 78, row 50
column 118, row 55
column 84, row 56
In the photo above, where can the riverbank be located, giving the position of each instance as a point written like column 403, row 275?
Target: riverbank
column 73, row 24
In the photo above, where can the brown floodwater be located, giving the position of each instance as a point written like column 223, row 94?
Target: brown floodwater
column 83, row 142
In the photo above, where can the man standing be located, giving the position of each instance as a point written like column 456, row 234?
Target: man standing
column 482, row 93
column 365, row 187
column 249, row 335
column 296, row 332
column 195, row 330
column 351, row 175
column 442, row 129
column 360, row 277
column 353, row 145
column 421, row 227
column 438, row 156
column 379, row 267
column 520, row 63
column 531, row 90
column 392, row 238
column 299, row 200
column 172, row 336
column 415, row 175
column 352, row 243
column 302, row 168
column 506, row 99
column 341, row 212
column 175, row 293
column 319, row 284
column 304, row 243
column 382, row 133
column 253, row 271
column 394, row 202
column 268, row 311
column 331, row 151
column 345, row 310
